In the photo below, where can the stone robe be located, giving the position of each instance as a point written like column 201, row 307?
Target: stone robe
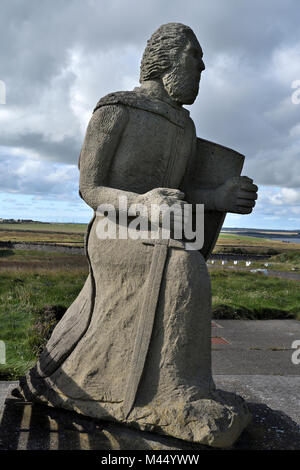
column 144, row 143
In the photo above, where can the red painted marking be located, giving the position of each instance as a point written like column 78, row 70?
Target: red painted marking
column 215, row 325
column 218, row 340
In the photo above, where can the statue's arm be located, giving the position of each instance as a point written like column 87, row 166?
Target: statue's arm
column 102, row 138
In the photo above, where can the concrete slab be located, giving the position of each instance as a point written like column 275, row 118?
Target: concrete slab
column 261, row 347
column 4, row 388
column 3, row 392
column 279, row 393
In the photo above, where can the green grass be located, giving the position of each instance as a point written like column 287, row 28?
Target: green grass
column 248, row 295
column 22, row 295
column 40, row 261
column 291, row 258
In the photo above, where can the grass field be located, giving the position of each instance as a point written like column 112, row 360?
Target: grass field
column 15, row 261
column 253, row 296
column 23, row 294
column 32, row 280
column 50, row 238
column 59, row 234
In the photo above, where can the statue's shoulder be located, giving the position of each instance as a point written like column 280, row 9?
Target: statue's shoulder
column 138, row 100
column 127, row 98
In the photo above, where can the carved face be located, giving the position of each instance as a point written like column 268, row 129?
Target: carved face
column 182, row 82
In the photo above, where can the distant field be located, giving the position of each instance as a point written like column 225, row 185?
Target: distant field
column 51, row 227
column 61, row 234
column 73, row 235
column 253, row 244
column 40, row 261
column 50, row 238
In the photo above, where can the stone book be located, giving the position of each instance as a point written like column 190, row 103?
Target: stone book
column 214, row 164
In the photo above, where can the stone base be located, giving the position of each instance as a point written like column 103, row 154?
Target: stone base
column 37, row 427
column 216, row 420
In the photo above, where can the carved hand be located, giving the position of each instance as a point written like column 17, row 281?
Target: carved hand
column 161, row 196
column 237, row 195
column 166, row 197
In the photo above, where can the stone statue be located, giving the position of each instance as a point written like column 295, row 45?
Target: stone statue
column 135, row 346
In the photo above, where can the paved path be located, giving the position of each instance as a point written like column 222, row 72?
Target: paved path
column 277, row 392
column 4, row 387
column 284, row 275
column 255, row 347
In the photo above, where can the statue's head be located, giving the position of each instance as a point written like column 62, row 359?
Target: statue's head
column 174, row 56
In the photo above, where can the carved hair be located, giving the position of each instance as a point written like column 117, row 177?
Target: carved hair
column 162, row 50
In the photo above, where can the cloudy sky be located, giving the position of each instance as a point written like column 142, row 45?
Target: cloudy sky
column 59, row 57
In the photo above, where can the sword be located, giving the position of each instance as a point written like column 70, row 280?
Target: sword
column 147, row 316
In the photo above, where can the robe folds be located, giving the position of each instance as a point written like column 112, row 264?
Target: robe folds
column 88, row 359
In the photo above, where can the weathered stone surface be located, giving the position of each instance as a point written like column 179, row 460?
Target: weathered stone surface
column 107, row 358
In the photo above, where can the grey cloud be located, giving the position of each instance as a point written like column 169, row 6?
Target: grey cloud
column 22, row 175
column 240, row 99
column 66, row 150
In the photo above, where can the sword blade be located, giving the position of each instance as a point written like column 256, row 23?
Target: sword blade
column 145, row 325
